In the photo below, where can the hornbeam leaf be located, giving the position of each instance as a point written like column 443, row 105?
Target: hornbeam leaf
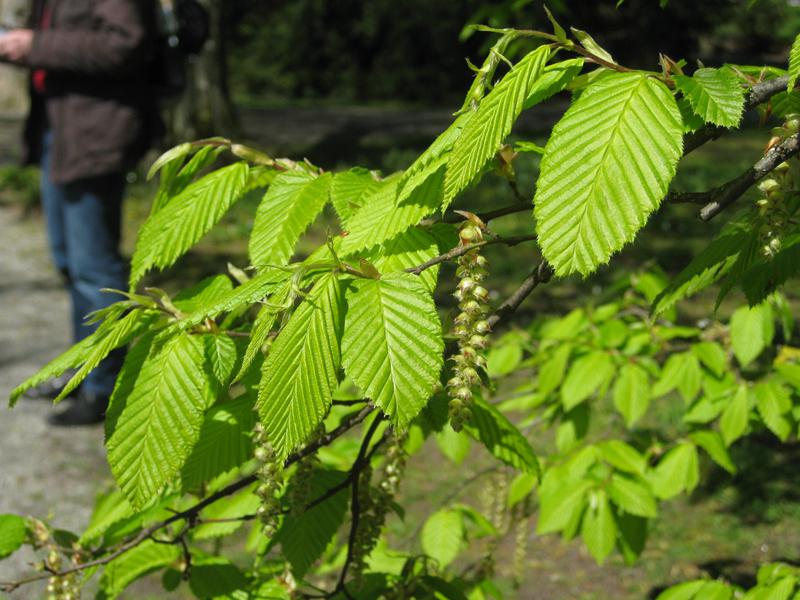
column 300, row 373
column 392, row 345
column 554, row 79
column 305, row 537
column 223, row 442
column 442, row 536
column 391, row 210
column 156, row 414
column 291, row 204
column 794, row 63
column 713, row 262
column 174, row 229
column 349, row 190
column 501, row 437
column 714, row 94
column 606, row 167
column 410, row 249
column 141, row 560
column 485, row 131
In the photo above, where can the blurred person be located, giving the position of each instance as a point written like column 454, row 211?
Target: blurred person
column 92, row 117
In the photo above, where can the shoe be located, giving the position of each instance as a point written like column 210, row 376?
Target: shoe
column 85, row 408
column 50, row 389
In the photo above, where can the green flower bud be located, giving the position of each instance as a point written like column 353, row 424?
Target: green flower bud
column 482, row 327
column 478, row 341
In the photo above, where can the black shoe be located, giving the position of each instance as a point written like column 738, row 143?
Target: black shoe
column 83, row 409
column 50, row 389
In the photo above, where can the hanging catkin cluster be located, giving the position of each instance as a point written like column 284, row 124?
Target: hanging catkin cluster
column 375, row 502
column 773, row 209
column 270, row 479
column 470, row 326
column 59, row 587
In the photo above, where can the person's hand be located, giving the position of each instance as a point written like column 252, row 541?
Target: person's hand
column 16, row 45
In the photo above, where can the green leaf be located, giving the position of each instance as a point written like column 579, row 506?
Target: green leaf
column 259, row 333
column 349, row 191
column 227, row 511
column 138, row 562
column 290, row 205
column 676, row 471
column 794, row 63
column 300, row 373
column 587, row 41
column 390, row 210
column 632, row 496
column 599, row 531
column 521, row 487
column 607, row 166
column 109, row 509
column 559, row 506
column 632, row 393
column 504, row 358
column 392, row 346
column 217, row 577
column 551, row 373
column 407, row 250
column 623, row 456
column 501, row 437
column 587, row 374
column 768, row 274
column 706, row 268
column 442, row 535
column 774, row 404
column 266, row 283
column 305, row 536
column 110, row 336
column 681, row 371
column 203, row 294
column 223, row 443
column 13, row 531
column 173, row 154
column 712, row 442
column 71, row 359
column 751, row 331
column 736, row 416
column 173, row 230
column 682, row 591
column 496, row 114
column 712, row 356
column 555, row 78
column 156, row 413
column 632, row 536
column 454, row 445
column 716, row 95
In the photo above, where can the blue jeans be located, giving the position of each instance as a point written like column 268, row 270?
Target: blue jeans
column 83, row 225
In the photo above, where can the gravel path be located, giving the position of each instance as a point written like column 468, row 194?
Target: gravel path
column 44, row 471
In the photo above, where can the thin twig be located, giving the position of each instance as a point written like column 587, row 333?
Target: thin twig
column 716, row 200
column 191, row 513
column 541, row 274
column 463, row 249
column 355, row 505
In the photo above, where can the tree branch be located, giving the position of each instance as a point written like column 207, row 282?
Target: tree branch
column 190, row 514
column 463, row 249
column 541, row 274
column 716, row 200
column 759, row 93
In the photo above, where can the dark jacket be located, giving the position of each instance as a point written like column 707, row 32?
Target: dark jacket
column 99, row 101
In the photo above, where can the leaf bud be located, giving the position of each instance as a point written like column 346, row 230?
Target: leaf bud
column 481, row 293
column 769, row 186
column 478, row 341
column 464, row 394
column 469, row 234
column 482, row 327
column 466, row 284
column 471, row 307
column 455, row 382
